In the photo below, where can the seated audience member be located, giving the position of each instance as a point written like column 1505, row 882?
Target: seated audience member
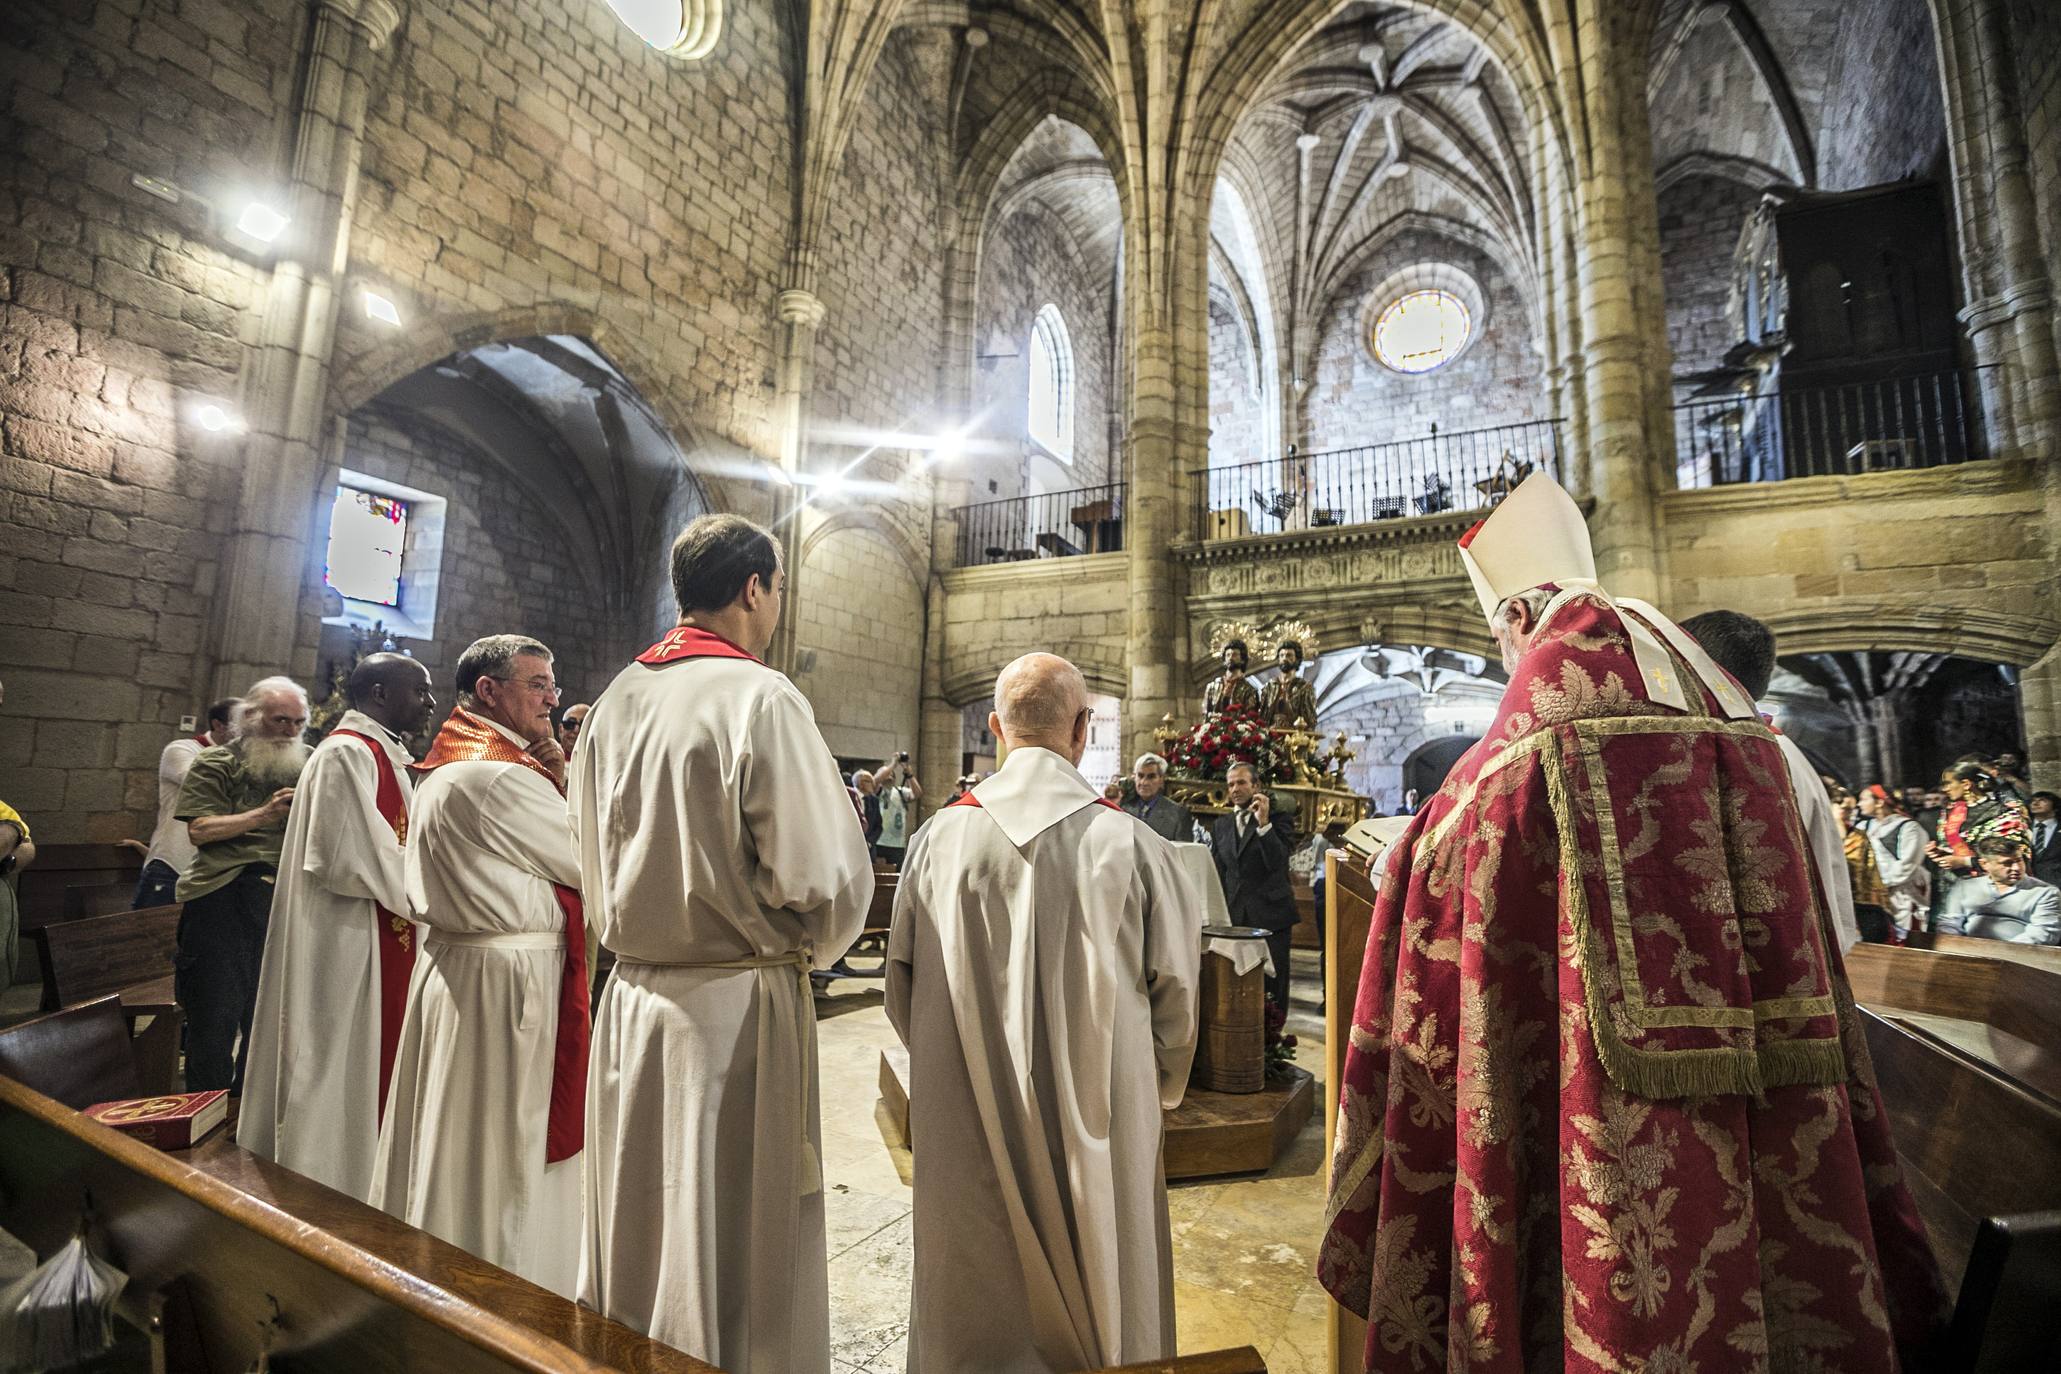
column 2046, row 837
column 2004, row 902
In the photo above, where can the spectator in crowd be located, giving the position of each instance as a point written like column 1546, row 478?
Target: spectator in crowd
column 1977, row 804
column 17, row 851
column 2046, row 837
column 234, row 802
column 2009, row 769
column 1898, row 847
column 1923, row 806
column 1148, row 801
column 867, row 792
column 2004, row 902
column 170, row 850
column 1113, row 791
column 1251, row 847
column 569, row 722
column 1864, row 880
column 899, row 793
column 965, row 783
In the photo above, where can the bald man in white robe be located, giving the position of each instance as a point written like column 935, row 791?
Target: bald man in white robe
column 718, row 860
column 1042, row 971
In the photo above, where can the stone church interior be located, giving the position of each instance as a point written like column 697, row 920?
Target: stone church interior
column 1545, row 514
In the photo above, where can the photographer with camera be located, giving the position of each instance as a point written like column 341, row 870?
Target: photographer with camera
column 899, row 792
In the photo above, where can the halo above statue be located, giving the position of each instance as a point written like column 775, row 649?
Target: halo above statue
column 1261, row 641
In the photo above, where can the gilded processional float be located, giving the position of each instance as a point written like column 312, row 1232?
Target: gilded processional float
column 1271, row 727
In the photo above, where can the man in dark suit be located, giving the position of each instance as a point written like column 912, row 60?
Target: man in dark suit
column 1251, row 847
column 2046, row 837
column 1149, row 802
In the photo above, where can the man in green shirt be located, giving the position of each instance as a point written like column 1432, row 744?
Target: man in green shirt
column 234, row 803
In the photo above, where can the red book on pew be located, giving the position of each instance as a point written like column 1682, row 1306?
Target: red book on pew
column 172, row 1121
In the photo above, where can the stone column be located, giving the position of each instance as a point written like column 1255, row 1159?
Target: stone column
column 801, row 314
column 286, row 374
column 1152, row 519
column 1623, row 348
column 2039, row 698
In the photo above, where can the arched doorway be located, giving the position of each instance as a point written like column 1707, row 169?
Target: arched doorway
column 1424, row 771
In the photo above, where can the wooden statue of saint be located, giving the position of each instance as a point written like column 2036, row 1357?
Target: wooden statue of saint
column 1231, row 687
column 1289, row 702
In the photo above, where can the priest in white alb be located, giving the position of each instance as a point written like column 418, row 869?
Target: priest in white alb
column 718, row 860
column 1042, row 972
column 487, row 1112
column 338, row 955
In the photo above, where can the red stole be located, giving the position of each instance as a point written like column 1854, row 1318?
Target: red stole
column 396, row 936
column 691, row 641
column 465, row 738
column 968, row 799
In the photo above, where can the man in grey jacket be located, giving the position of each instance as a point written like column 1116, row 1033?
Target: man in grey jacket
column 1162, row 815
column 2003, row 902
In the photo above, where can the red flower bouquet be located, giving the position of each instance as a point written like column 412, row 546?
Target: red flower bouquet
column 1235, row 735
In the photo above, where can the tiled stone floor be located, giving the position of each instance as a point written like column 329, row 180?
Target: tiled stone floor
column 1245, row 1249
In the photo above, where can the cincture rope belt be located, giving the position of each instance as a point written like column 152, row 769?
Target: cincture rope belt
column 496, row 939
column 810, row 1172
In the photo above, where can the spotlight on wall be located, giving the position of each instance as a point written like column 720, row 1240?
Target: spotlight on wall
column 949, row 447
column 378, row 307
column 261, row 222
column 215, row 420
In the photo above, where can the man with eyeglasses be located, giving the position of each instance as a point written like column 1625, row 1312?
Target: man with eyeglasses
column 340, row 946
column 486, row 1120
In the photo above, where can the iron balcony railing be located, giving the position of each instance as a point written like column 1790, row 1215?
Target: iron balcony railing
column 1053, row 524
column 1463, row 471
column 1887, row 424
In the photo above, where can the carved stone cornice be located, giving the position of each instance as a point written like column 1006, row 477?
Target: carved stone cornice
column 1037, row 572
column 1979, row 475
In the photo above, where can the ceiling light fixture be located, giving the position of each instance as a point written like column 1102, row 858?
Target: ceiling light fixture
column 215, row 420
column 378, row 307
column 261, row 222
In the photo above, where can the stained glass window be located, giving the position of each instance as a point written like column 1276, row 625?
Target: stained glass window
column 1421, row 331
column 366, row 535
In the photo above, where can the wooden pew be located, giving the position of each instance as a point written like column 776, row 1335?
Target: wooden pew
column 2039, row 956
column 1348, row 916
column 68, row 881
column 128, row 954
column 247, row 1247
column 1982, row 1151
column 355, row 1290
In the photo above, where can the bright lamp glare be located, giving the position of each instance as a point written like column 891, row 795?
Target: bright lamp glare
column 830, row 483
column 378, row 307
column 213, row 418
column 950, row 448
column 261, row 222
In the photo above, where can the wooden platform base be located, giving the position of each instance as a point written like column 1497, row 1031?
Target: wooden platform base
column 1209, row 1133
column 1237, row 1133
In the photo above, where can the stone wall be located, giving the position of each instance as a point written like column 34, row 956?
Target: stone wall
column 1354, row 400
column 1385, row 730
column 861, row 637
column 1028, row 260
column 2036, row 44
column 1951, row 560
column 1700, row 220
column 1074, row 607
column 1884, row 118
column 1238, row 415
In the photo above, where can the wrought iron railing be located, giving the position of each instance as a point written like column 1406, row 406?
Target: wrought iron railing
column 1466, row 470
column 1053, row 524
column 1886, row 424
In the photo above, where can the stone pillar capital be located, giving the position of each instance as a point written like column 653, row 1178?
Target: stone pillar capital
column 801, row 307
column 379, row 19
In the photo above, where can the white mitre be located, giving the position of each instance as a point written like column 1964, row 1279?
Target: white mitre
column 1537, row 537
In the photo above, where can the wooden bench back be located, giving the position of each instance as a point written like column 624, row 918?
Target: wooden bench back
column 104, row 954
column 95, row 869
column 881, row 913
column 2022, row 999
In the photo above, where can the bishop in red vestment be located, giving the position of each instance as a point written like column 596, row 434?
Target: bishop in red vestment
column 1605, row 1104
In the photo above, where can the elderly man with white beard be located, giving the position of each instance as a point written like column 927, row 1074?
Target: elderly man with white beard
column 234, row 803
column 340, row 948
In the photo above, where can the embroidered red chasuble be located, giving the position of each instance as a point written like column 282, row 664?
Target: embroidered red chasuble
column 465, row 738
column 396, row 942
column 1606, row 1105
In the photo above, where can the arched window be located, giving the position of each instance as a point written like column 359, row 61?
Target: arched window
column 1051, row 384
